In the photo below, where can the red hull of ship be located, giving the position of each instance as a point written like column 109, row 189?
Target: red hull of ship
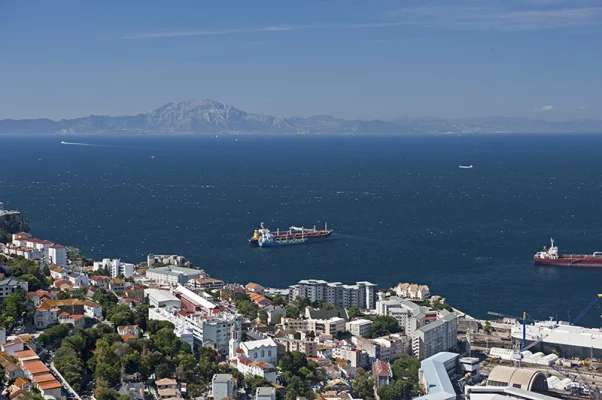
column 572, row 260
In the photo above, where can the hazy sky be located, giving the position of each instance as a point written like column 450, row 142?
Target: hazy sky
column 351, row 59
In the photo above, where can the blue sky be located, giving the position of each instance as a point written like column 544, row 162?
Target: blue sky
column 351, row 59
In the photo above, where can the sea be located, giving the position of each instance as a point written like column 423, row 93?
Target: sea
column 401, row 208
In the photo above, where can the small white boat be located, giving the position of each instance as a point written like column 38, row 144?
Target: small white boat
column 466, row 166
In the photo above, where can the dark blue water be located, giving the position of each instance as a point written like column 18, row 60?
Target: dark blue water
column 402, row 208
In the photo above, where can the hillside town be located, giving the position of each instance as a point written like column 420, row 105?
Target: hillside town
column 164, row 329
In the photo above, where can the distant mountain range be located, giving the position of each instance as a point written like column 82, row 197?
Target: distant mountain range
column 212, row 117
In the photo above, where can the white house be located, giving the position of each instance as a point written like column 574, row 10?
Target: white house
column 125, row 329
column 92, row 310
column 100, row 281
column 265, row 350
column 263, row 369
column 412, row 291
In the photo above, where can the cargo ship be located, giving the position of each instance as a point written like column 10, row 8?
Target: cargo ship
column 551, row 256
column 263, row 237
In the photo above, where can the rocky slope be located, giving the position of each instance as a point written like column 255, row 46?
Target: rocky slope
column 12, row 223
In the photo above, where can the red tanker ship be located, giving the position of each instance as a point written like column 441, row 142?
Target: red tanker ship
column 292, row 234
column 551, row 256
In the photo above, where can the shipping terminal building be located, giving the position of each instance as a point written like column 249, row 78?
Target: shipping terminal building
column 561, row 337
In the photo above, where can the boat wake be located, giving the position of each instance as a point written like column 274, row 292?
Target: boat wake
column 107, row 146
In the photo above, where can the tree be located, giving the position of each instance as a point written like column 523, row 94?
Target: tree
column 296, row 387
column 17, row 306
column 384, row 325
column 406, row 368
column 437, row 305
column 70, row 364
column 141, row 316
column 122, row 318
column 395, row 390
column 354, row 312
column 105, row 299
column 311, row 335
column 263, row 316
column 301, row 302
column 108, row 394
column 487, row 327
column 322, row 305
column 278, row 300
column 155, row 326
column 292, row 311
column 254, row 381
column 33, row 283
column 108, row 365
column 26, row 395
column 54, row 334
column 363, row 384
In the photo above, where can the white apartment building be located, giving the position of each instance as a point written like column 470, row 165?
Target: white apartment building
column 355, row 357
column 361, row 295
column 27, row 253
column 408, row 314
column 435, row 337
column 10, row 284
column 173, row 275
column 50, row 252
column 221, row 386
column 328, row 326
column 265, row 350
column 207, row 331
column 57, row 255
column 359, row 327
column 167, row 259
column 115, row 267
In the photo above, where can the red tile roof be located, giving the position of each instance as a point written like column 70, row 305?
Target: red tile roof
column 35, row 367
column 44, row 378
column 128, row 336
column 25, row 354
column 50, row 385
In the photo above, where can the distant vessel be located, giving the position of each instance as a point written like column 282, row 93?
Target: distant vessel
column 63, row 142
column 466, row 166
column 152, row 156
column 551, row 256
column 263, row 237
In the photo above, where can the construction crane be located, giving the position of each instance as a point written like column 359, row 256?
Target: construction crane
column 585, row 310
column 523, row 344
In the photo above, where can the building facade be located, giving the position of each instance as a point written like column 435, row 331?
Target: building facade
column 173, row 275
column 222, row 387
column 361, row 295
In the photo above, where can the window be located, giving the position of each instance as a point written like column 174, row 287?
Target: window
column 269, row 353
column 255, row 355
column 262, row 353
